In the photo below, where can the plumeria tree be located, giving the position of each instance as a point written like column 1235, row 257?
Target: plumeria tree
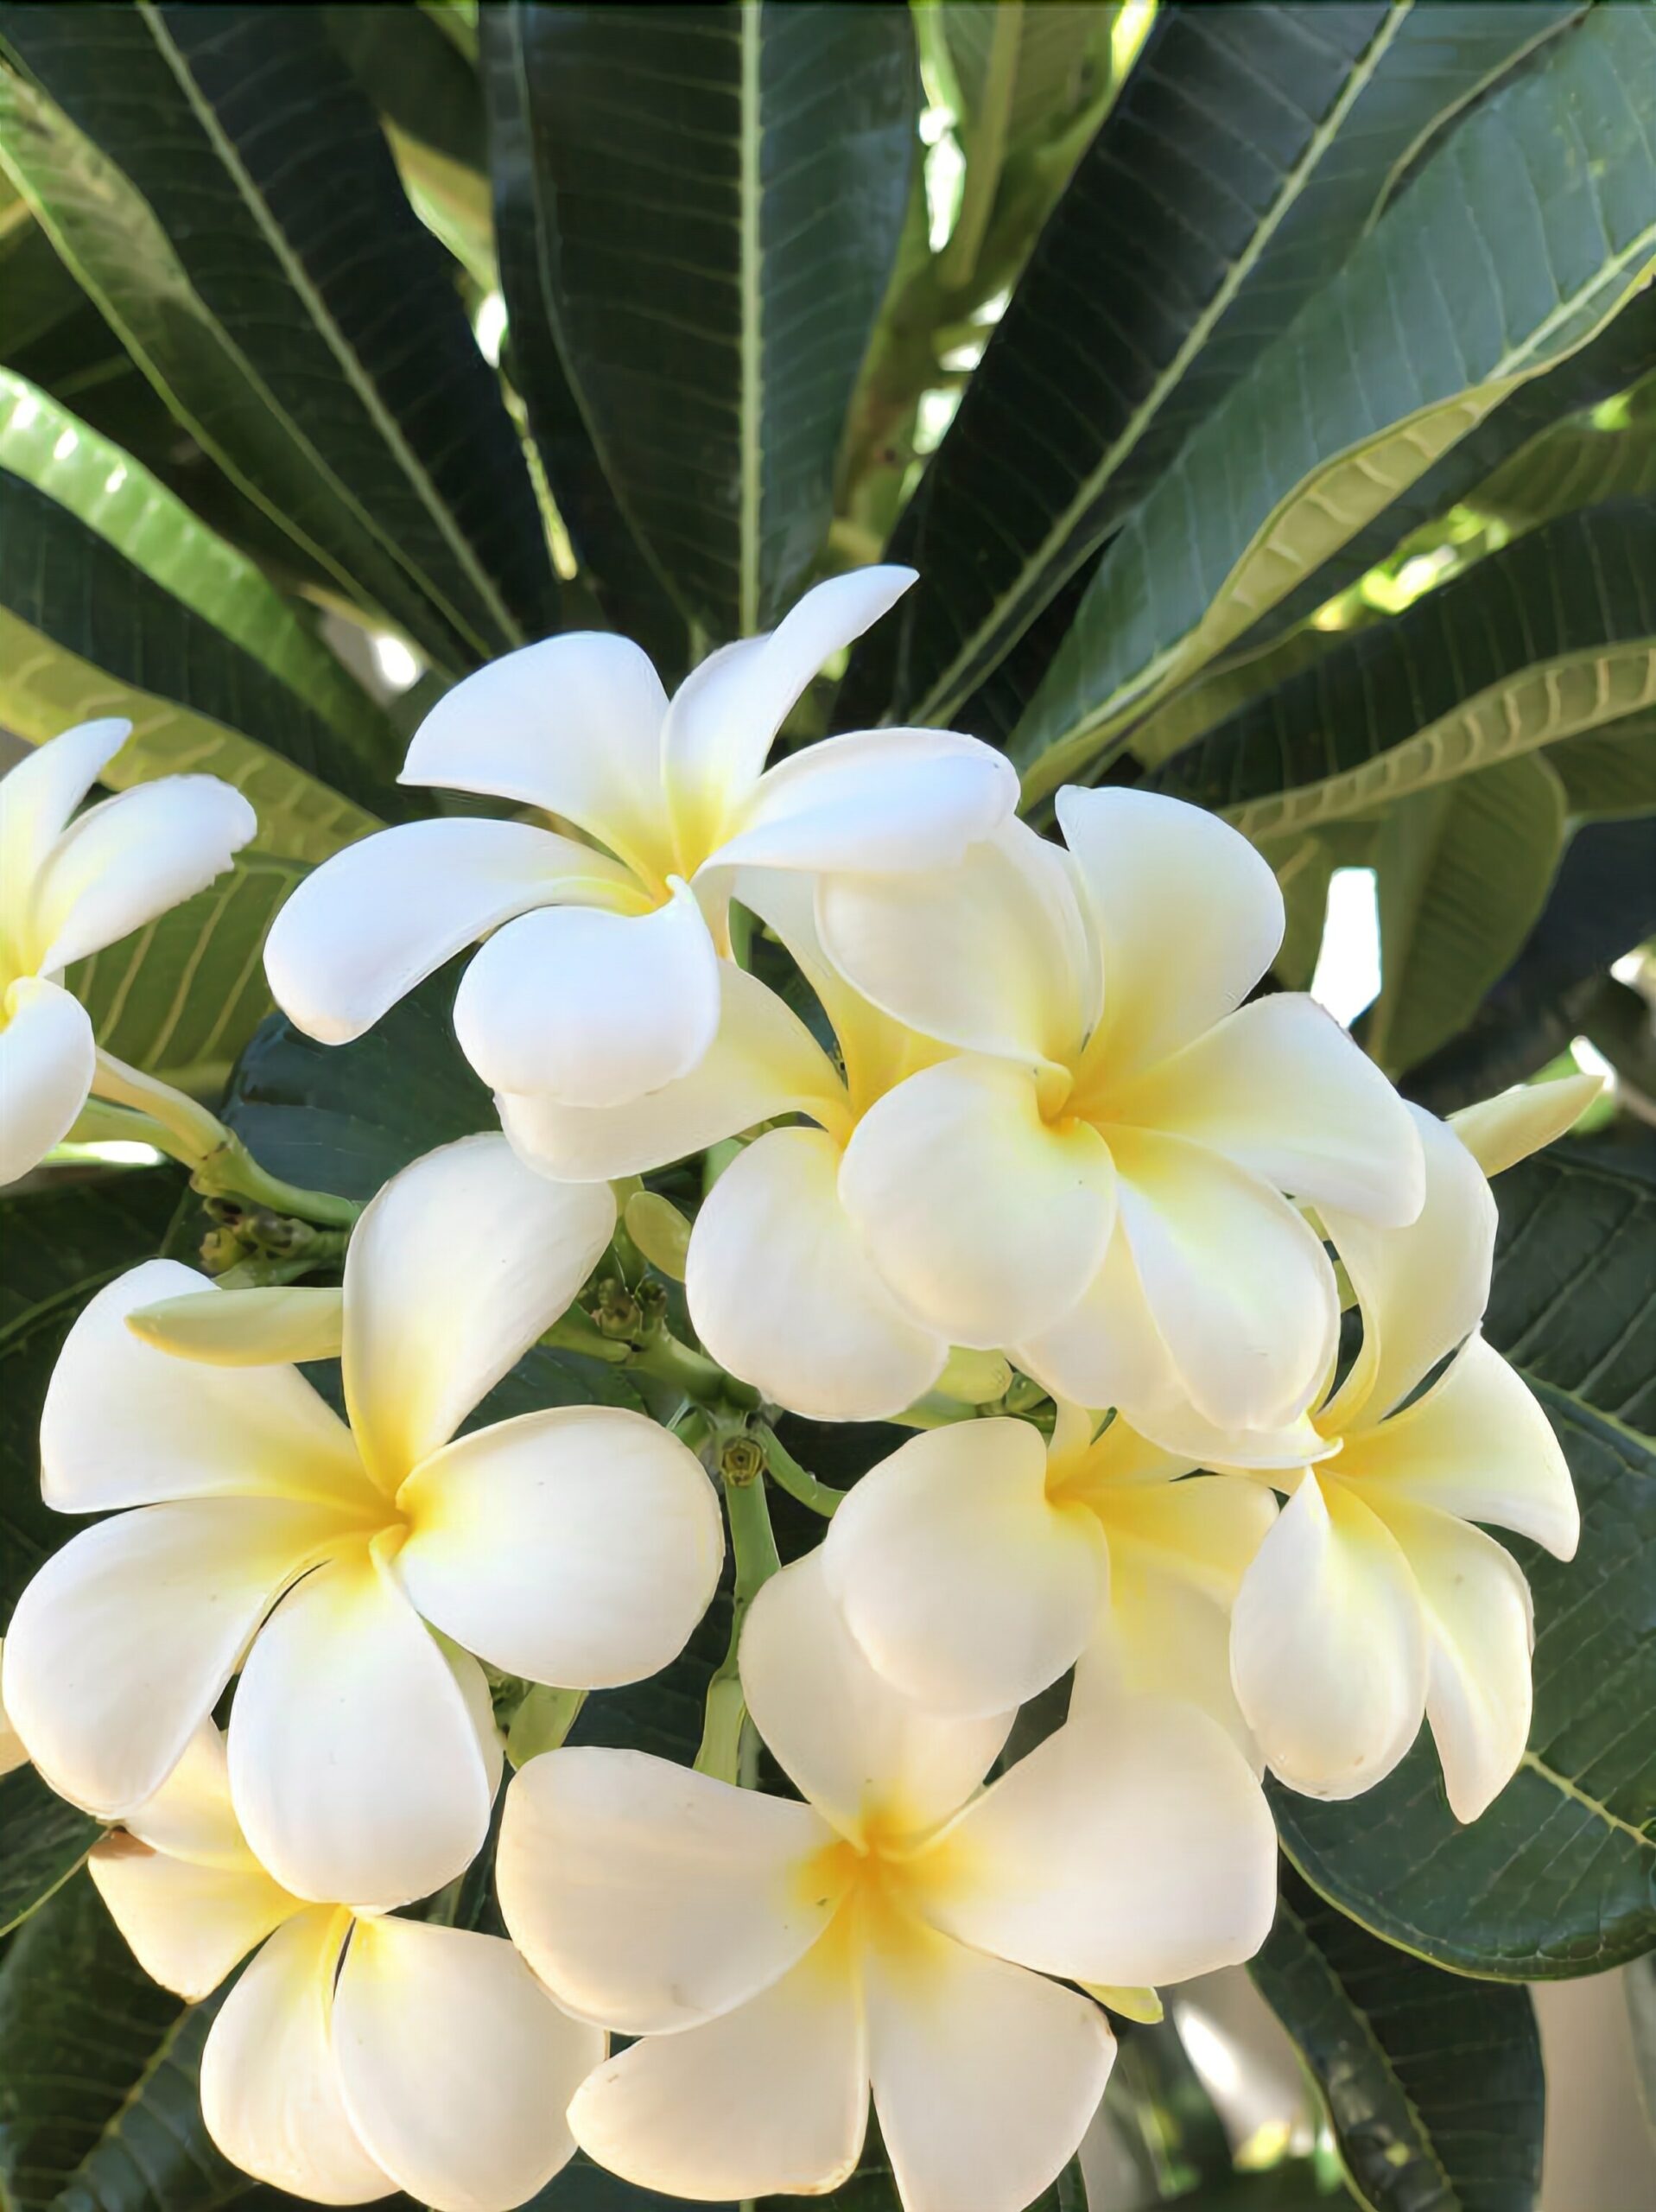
column 728, row 1419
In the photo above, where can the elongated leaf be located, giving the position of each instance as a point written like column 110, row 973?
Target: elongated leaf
column 43, row 1842
column 1434, row 2086
column 1612, row 773
column 1523, row 234
column 183, row 996
column 415, row 76
column 1576, row 465
column 1180, row 249
column 720, row 190
column 220, row 185
column 85, row 632
column 1554, row 636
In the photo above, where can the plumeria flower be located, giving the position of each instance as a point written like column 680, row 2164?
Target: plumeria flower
column 781, row 1289
column 12, row 1754
column 356, row 2055
column 350, row 1572
column 979, row 1562
column 68, row 888
column 1094, row 1182
column 602, row 979
column 1373, row 1601
column 893, row 1932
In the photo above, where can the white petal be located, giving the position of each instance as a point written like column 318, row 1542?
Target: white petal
column 966, row 1588
column 1329, row 1645
column 1482, row 1632
column 985, row 2076
column 190, row 1817
column 990, row 955
column 37, row 796
column 1239, row 1288
column 1188, row 918
column 726, row 713
column 1477, row 1445
column 12, row 1753
column 264, row 1327
column 987, row 1221
column 124, row 1424
column 855, row 1748
column 579, row 1546
column 1280, row 1089
column 762, row 1062
column 1501, row 1131
column 129, row 858
column 455, row 2066
column 875, row 800
column 384, row 914
column 458, row 1266
column 1421, row 1289
column 355, row 1758
column 650, row 1897
column 773, row 2096
column 783, row 1295
column 187, row 1925
column 47, row 1057
column 269, row 2089
column 572, row 725
column 1133, row 1846
column 592, row 1009
column 123, row 1643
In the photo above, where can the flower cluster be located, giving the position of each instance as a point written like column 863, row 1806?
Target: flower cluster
column 1013, row 1108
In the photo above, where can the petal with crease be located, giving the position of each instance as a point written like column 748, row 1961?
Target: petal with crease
column 455, row 2065
column 785, row 1295
column 37, row 796
column 968, row 1589
column 1162, row 1635
column 129, row 858
column 384, row 914
column 770, row 2097
column 578, row 1546
column 48, row 1058
column 987, row 1221
column 459, row 1263
column 985, row 2075
column 187, row 1925
column 1329, row 1647
column 651, row 1897
column 874, row 800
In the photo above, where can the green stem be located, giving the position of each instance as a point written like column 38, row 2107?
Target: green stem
column 986, row 149
column 99, row 1122
column 663, row 1356
column 232, row 1171
column 755, row 1547
column 797, row 1481
column 574, row 1332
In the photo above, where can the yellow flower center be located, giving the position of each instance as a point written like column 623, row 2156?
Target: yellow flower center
column 885, row 1883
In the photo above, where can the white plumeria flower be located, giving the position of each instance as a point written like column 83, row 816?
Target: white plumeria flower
column 1373, row 1600
column 604, row 981
column 978, row 1563
column 780, row 1288
column 891, row 1932
column 12, row 1754
column 356, row 2055
column 577, row 1546
column 1096, row 1183
column 68, row 888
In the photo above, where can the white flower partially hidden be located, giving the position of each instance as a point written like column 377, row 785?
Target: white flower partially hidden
column 1096, row 1183
column 892, row 1933
column 601, row 981
column 1373, row 1600
column 978, row 1563
column 428, row 2059
column 68, row 888
column 577, row 1546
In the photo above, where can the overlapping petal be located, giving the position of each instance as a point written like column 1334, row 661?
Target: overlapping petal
column 47, row 1055
column 1501, row 1131
column 37, row 796
column 187, row 1925
column 874, row 800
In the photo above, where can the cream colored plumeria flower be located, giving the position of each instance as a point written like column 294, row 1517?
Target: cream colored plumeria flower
column 1095, row 1182
column 604, row 981
column 68, row 887
column 979, row 1562
column 1373, row 1601
column 12, row 1754
column 350, row 1573
column 891, row 1932
column 780, row 1288
column 356, row 2055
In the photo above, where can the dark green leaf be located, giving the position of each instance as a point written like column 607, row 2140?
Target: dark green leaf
column 1434, row 2084
column 1577, row 464
column 418, row 78
column 1233, row 173
column 42, row 1840
column 1612, row 772
column 221, row 187
column 719, row 193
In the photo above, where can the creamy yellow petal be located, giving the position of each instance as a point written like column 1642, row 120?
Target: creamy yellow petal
column 187, row 1925
column 190, row 1817
column 37, row 796
column 244, row 1328
column 47, row 1057
column 1499, row 1132
column 130, row 858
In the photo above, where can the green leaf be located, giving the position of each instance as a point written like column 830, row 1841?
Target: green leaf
column 1434, row 2086
column 42, row 1840
column 182, row 996
column 1577, row 464
column 720, row 193
column 220, row 186
column 1612, row 773
column 1463, row 872
column 1551, row 638
column 1179, row 249
column 1062, row 55
column 1520, row 237
column 415, row 76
